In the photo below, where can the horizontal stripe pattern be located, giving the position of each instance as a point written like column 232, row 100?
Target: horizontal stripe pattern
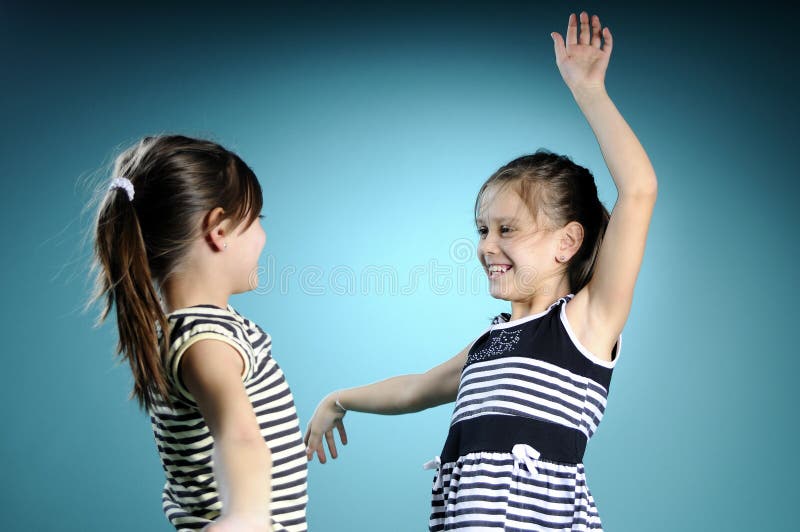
column 185, row 445
column 527, row 387
column 493, row 491
column 529, row 370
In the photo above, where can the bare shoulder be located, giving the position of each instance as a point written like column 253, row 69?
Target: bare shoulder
column 589, row 330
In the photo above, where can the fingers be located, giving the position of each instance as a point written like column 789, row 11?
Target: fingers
column 314, row 444
column 331, row 444
column 608, row 41
column 558, row 45
column 316, row 448
column 313, row 437
column 306, row 439
column 584, row 35
column 572, row 30
column 591, row 32
column 321, row 453
column 309, row 453
column 596, row 31
column 342, row 432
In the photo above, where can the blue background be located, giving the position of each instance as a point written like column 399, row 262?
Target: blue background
column 371, row 127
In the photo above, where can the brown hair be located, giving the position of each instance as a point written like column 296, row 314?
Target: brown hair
column 139, row 243
column 563, row 191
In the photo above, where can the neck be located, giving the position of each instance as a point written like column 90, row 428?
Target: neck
column 193, row 288
column 539, row 301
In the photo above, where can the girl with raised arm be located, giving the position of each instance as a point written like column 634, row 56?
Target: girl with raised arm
column 531, row 390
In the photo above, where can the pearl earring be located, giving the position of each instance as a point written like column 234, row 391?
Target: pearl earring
column 562, row 258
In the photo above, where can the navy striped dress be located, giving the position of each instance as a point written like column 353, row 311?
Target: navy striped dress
column 530, row 398
column 185, row 445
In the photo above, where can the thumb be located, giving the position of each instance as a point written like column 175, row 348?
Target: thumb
column 558, row 45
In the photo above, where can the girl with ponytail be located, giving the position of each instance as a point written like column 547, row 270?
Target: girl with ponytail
column 177, row 233
column 531, row 390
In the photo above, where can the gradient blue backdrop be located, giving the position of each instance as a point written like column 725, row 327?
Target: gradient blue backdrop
column 371, row 128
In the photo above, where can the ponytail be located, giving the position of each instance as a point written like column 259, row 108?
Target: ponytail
column 127, row 284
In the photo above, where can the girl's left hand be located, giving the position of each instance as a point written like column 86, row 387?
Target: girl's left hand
column 582, row 61
column 327, row 416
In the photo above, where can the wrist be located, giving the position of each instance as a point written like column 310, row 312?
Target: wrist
column 335, row 401
column 587, row 94
column 339, row 405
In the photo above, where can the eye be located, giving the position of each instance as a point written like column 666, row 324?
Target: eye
column 260, row 216
column 482, row 231
column 505, row 229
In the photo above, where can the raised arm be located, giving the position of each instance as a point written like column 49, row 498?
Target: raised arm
column 583, row 61
column 397, row 395
column 212, row 371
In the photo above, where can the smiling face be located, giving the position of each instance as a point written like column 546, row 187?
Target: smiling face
column 518, row 252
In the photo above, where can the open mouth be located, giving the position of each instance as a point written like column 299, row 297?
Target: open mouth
column 498, row 270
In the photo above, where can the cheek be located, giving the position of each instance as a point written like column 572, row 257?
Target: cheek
column 260, row 239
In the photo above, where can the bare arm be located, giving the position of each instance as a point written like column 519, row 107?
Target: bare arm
column 607, row 299
column 407, row 393
column 398, row 395
column 212, row 372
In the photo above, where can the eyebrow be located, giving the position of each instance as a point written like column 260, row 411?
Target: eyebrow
column 502, row 220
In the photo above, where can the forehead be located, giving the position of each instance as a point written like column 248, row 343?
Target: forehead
column 503, row 204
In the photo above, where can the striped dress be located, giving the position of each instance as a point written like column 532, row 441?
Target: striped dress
column 530, row 398
column 190, row 499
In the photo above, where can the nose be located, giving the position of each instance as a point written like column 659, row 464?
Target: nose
column 487, row 246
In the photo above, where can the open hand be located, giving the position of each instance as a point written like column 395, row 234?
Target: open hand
column 583, row 60
column 326, row 417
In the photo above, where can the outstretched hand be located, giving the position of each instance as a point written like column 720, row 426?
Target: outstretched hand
column 326, row 417
column 583, row 59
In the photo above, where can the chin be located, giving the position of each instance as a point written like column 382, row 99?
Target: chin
column 499, row 294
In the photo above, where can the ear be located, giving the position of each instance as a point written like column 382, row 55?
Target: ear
column 571, row 240
column 215, row 228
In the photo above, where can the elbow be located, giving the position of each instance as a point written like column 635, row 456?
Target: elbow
column 410, row 399
column 652, row 188
column 647, row 190
column 253, row 450
column 242, row 438
column 257, row 446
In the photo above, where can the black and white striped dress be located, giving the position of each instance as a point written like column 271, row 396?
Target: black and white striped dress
column 530, row 398
column 190, row 499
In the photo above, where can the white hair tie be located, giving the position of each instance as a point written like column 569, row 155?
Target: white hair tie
column 123, row 183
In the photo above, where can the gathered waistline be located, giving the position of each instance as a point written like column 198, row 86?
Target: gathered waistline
column 500, row 433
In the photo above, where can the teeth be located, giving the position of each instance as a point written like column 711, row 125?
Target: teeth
column 498, row 269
